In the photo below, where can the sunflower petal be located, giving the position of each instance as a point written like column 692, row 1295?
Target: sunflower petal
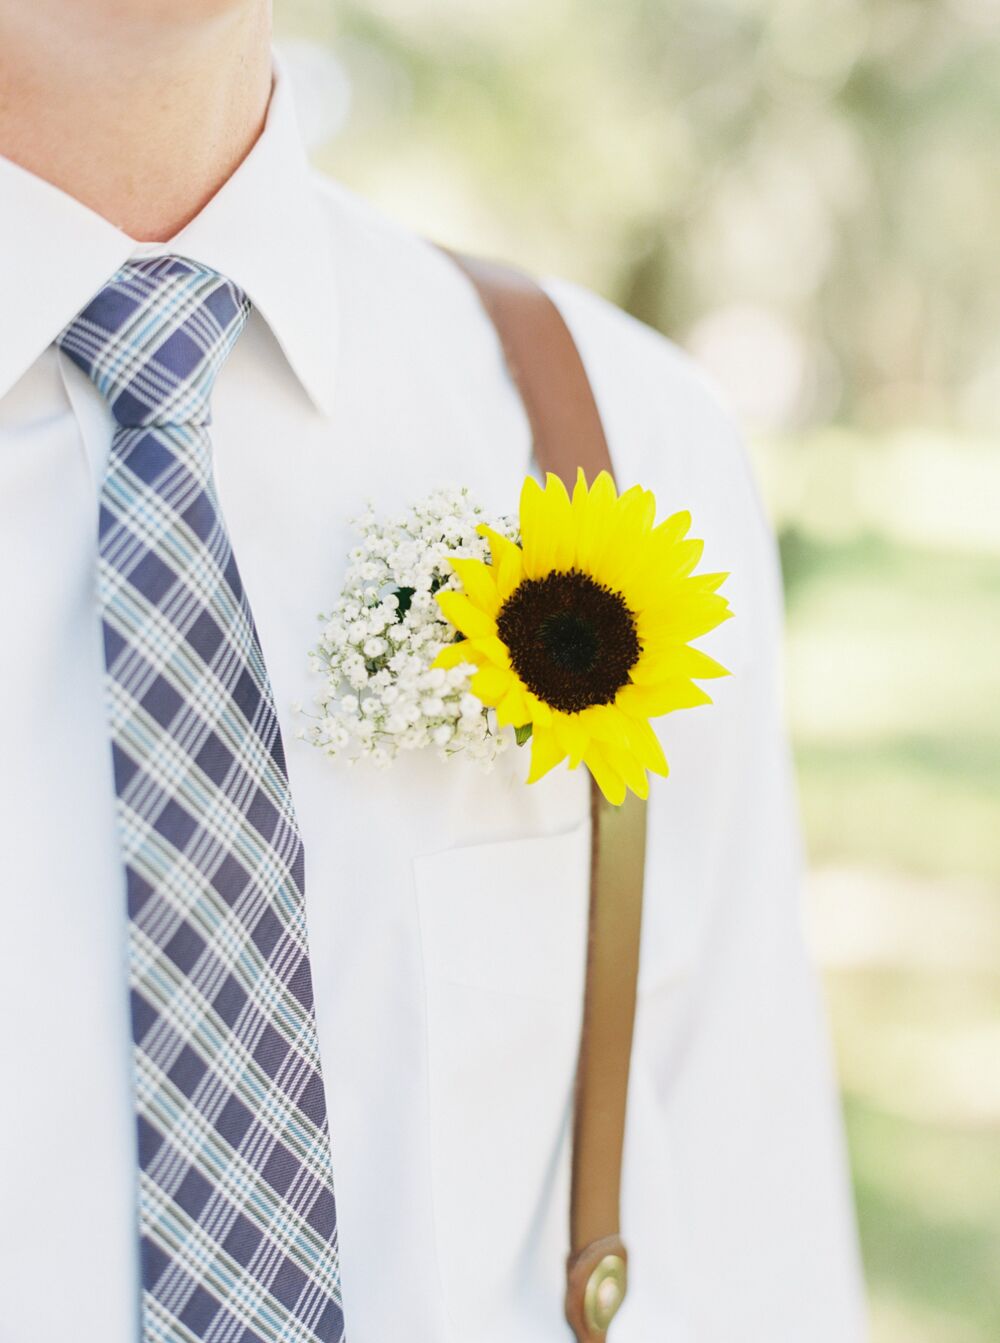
column 652, row 701
column 533, row 540
column 605, row 723
column 512, row 710
column 466, row 617
column 508, row 561
column 683, row 617
column 477, row 580
column 596, row 509
column 558, row 520
column 625, row 763
column 626, row 551
column 492, row 649
column 547, row 533
column 644, row 742
column 662, row 567
column 572, row 735
column 608, row 780
column 677, row 660
column 541, row 713
column 490, row 684
column 686, row 556
column 676, row 527
column 707, row 582
column 546, row 753
column 454, row 655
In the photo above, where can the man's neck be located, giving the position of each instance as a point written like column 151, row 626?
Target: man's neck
column 140, row 118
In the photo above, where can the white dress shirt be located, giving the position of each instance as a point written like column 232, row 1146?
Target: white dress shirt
column 446, row 906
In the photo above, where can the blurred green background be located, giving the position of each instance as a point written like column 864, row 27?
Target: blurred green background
column 805, row 195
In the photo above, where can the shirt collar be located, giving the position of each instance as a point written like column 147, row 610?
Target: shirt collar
column 263, row 230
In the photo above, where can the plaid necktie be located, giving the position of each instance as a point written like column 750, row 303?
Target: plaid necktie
column 237, row 1222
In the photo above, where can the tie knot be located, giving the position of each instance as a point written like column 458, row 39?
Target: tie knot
column 154, row 338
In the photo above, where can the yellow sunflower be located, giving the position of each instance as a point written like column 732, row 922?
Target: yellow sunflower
column 581, row 633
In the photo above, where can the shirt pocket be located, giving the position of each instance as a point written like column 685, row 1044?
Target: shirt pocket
column 503, row 931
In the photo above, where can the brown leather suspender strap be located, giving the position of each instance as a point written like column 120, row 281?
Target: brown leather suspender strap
column 567, row 432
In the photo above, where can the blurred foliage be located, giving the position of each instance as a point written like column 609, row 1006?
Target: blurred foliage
column 807, row 196
column 894, row 717
column 827, row 170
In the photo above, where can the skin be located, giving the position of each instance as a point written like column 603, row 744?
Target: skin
column 140, row 109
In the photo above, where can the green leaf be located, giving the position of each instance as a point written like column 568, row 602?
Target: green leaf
column 522, row 734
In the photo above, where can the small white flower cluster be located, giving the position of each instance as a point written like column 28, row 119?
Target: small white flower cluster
column 380, row 694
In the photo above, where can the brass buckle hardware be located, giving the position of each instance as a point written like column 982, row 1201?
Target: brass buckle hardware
column 604, row 1293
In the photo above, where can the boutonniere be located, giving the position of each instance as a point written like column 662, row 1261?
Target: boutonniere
column 568, row 627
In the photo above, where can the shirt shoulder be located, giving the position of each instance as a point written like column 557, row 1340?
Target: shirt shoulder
column 378, row 255
column 639, row 374
column 668, row 425
column 655, row 399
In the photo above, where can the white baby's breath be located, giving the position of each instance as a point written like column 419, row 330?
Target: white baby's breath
column 379, row 693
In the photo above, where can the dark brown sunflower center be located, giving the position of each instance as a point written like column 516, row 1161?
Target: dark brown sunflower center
column 572, row 641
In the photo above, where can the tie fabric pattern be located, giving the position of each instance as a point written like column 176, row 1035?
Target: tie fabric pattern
column 237, row 1219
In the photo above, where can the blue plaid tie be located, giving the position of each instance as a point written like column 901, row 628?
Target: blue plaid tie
column 237, row 1221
